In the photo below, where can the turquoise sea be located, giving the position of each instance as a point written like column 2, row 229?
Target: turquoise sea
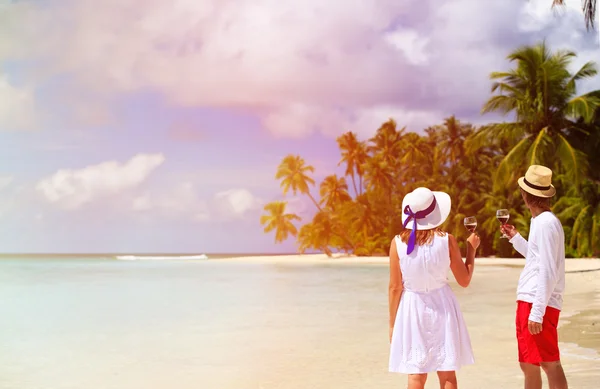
column 96, row 322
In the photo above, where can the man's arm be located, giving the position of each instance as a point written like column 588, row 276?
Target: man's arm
column 548, row 270
column 519, row 243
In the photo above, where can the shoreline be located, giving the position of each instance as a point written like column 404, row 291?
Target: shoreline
column 572, row 265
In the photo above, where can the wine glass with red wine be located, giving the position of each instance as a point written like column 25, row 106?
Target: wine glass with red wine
column 503, row 215
column 471, row 223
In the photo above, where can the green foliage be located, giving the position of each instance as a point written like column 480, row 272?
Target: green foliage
column 277, row 220
column 477, row 167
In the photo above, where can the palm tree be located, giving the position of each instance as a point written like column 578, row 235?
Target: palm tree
column 453, row 135
column 378, row 174
column 434, row 167
column 541, row 93
column 589, row 11
column 588, row 141
column 354, row 155
column 362, row 218
column 582, row 209
column 334, row 191
column 308, row 238
column 293, row 173
column 318, row 234
column 548, row 122
column 412, row 160
column 278, row 220
column 387, row 142
column 468, row 183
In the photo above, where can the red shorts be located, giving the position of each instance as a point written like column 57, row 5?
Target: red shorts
column 542, row 347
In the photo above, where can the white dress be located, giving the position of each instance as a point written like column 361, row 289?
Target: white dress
column 430, row 333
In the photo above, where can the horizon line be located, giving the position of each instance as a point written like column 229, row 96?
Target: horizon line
column 142, row 253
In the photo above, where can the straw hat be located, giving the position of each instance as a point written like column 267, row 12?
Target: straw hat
column 425, row 209
column 538, row 181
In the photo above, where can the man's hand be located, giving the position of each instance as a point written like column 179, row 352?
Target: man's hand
column 508, row 230
column 534, row 328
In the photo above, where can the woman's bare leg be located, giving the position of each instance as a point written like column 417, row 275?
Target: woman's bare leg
column 447, row 380
column 417, row 381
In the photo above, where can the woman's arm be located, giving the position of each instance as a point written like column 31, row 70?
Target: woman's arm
column 463, row 271
column 395, row 287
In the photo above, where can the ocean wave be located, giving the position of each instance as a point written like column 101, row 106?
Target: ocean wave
column 160, row 257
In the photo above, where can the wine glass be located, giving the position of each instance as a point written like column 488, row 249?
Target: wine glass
column 503, row 215
column 471, row 223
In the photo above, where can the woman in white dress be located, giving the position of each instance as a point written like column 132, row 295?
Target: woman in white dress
column 427, row 330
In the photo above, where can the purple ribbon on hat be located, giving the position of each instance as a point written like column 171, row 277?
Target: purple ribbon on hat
column 415, row 216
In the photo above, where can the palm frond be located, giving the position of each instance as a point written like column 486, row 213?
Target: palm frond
column 583, row 106
column 588, row 70
column 513, row 159
column 533, row 151
column 596, row 232
column 577, row 226
column 589, row 11
column 494, row 132
column 575, row 162
column 502, row 103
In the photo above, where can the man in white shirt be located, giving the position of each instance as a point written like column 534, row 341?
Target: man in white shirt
column 542, row 282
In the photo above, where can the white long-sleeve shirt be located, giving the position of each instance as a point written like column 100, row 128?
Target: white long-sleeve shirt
column 542, row 281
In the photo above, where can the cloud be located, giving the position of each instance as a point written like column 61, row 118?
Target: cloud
column 183, row 202
column 301, row 67
column 177, row 202
column 5, row 181
column 299, row 206
column 73, row 188
column 17, row 106
column 15, row 199
column 235, row 203
column 6, row 201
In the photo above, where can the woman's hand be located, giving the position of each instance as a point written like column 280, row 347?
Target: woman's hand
column 391, row 333
column 474, row 240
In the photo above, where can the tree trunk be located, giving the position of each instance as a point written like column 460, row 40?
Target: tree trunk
column 354, row 184
column 314, row 201
column 360, row 183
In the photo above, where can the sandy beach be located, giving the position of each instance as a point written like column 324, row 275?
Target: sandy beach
column 488, row 305
column 572, row 264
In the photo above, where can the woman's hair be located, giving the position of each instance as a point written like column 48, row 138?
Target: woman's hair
column 423, row 236
column 535, row 201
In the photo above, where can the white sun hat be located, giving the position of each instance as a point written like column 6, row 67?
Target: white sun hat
column 423, row 209
column 432, row 208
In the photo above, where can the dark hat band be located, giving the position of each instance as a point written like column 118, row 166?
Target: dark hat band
column 537, row 187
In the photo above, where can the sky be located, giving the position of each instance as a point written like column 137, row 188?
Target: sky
column 148, row 126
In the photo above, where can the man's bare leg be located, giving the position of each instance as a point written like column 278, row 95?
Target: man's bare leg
column 447, row 380
column 555, row 374
column 533, row 376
